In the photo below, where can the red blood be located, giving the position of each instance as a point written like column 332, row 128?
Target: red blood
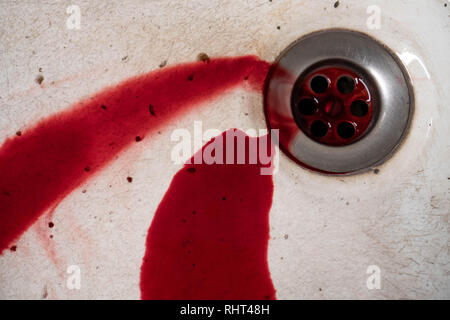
column 59, row 153
column 209, row 236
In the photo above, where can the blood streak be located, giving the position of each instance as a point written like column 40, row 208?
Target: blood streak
column 209, row 236
column 46, row 162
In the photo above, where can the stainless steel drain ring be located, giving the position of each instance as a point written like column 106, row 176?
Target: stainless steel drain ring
column 394, row 100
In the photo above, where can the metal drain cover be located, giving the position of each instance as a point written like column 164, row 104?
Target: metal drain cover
column 341, row 100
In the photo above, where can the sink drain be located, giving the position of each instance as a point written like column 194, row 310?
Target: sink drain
column 342, row 102
column 332, row 105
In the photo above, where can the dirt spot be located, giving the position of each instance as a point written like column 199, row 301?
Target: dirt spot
column 103, row 107
column 190, row 77
column 130, row 179
column 87, row 169
column 13, row 248
column 376, row 171
column 138, row 138
column 151, row 109
column 286, row 236
column 18, row 133
column 45, row 293
column 163, row 64
column 203, row 57
column 336, row 4
column 51, row 224
column 191, row 170
column 39, row 79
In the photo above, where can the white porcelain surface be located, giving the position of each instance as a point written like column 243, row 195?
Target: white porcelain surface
column 336, row 226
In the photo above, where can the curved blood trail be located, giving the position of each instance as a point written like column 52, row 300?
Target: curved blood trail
column 209, row 236
column 48, row 161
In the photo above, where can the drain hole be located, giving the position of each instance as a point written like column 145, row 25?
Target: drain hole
column 346, row 130
column 345, row 84
column 319, row 84
column 319, row 128
column 359, row 108
column 307, row 106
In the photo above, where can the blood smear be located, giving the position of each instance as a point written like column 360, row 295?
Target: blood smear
column 46, row 162
column 209, row 236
